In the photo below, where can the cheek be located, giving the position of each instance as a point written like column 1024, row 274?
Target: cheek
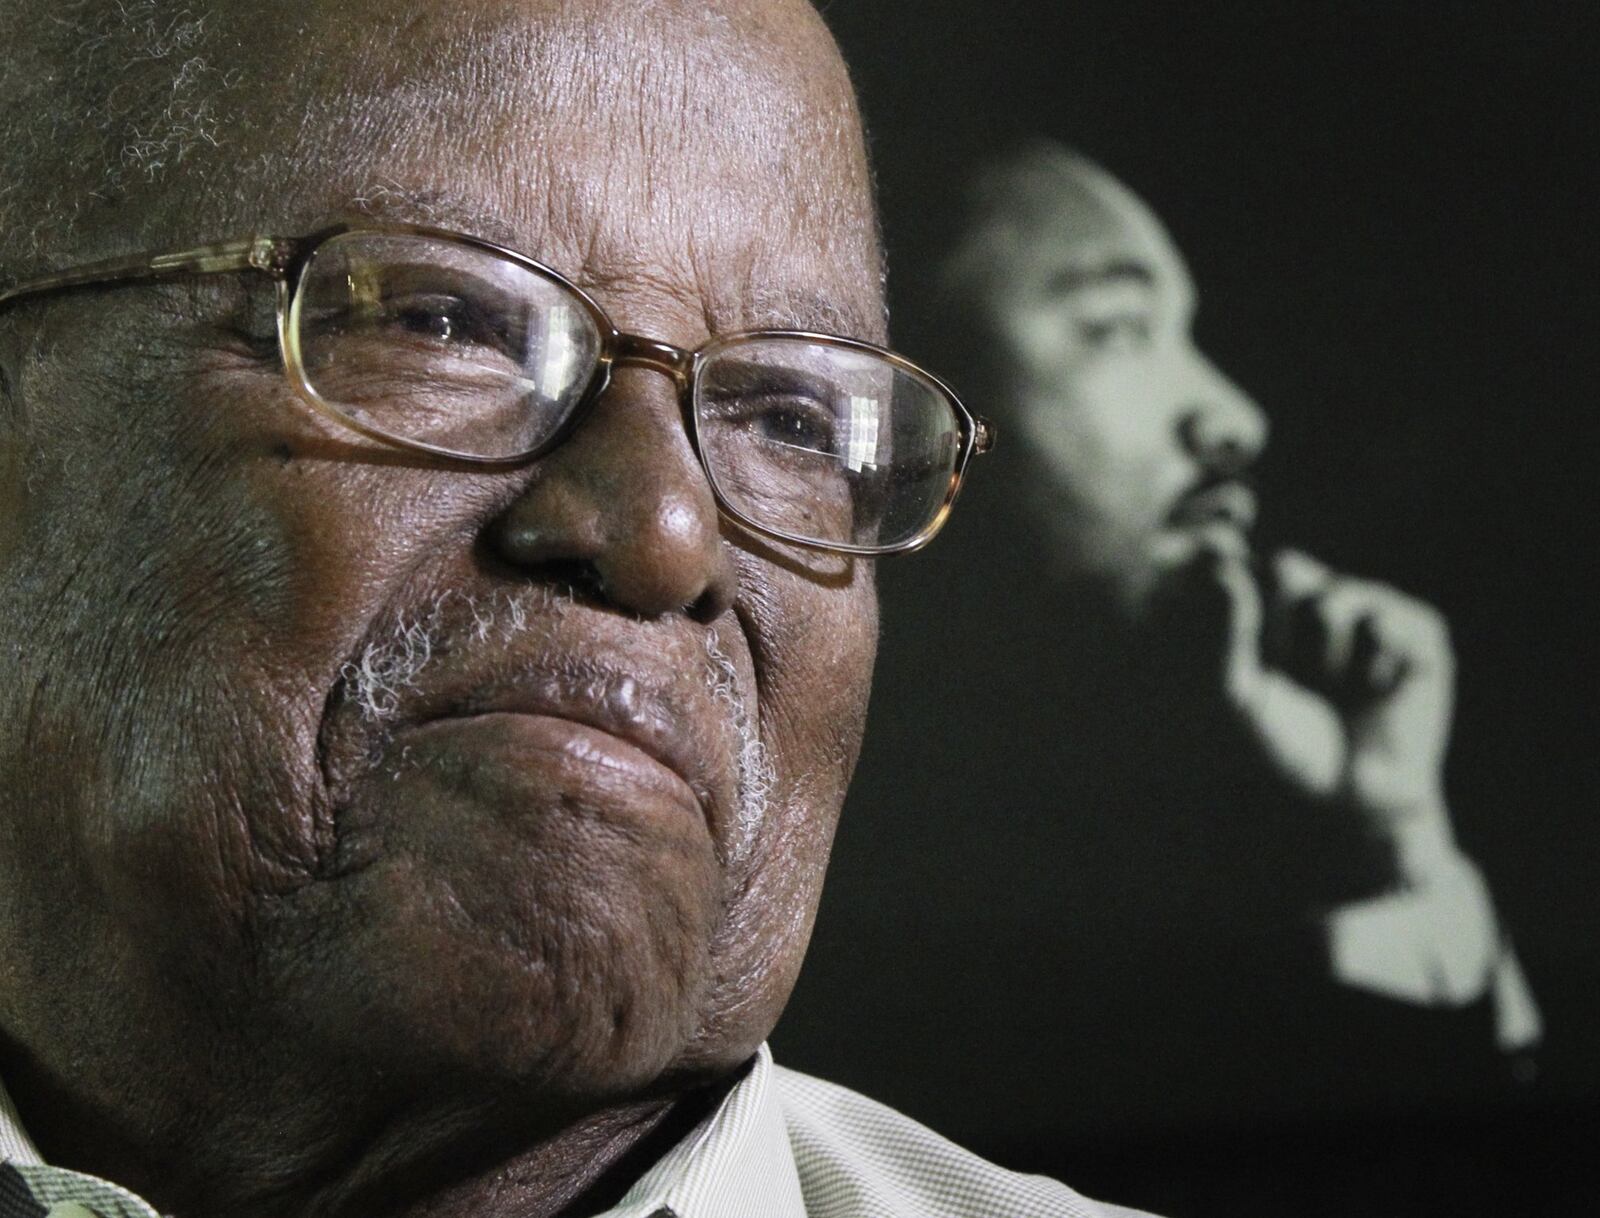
column 13, row 497
column 152, row 729
column 814, row 671
column 220, row 586
column 171, row 789
column 812, row 648
column 1111, row 439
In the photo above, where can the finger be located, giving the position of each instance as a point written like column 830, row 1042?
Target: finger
column 1407, row 635
column 1343, row 609
column 1409, row 705
column 1298, row 575
column 1207, row 608
column 1416, row 631
column 1397, row 694
column 1377, row 666
column 1243, row 657
column 1349, row 636
column 1294, row 639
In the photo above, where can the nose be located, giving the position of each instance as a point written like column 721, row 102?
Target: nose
column 1219, row 424
column 623, row 506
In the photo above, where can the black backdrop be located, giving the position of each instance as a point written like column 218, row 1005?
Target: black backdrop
column 1388, row 211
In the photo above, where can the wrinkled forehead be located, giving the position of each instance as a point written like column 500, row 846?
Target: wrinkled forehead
column 713, row 146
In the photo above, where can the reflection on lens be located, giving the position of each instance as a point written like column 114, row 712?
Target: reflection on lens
column 834, row 444
column 441, row 343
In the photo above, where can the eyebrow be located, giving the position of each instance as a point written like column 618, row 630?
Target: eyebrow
column 1082, row 278
column 437, row 207
column 808, row 310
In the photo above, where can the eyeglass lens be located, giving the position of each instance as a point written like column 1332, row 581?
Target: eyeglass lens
column 838, row 444
column 445, row 344
column 442, row 343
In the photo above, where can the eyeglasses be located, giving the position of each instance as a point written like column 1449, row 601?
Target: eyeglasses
column 450, row 345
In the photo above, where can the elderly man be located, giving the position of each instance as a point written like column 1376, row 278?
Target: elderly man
column 438, row 609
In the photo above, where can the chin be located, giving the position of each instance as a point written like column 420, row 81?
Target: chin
column 597, row 1015
column 551, row 962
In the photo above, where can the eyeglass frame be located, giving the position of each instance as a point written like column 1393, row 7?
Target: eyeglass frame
column 286, row 259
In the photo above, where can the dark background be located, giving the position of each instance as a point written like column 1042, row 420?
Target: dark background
column 1388, row 211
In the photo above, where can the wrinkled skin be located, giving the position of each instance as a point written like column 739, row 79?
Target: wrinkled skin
column 321, row 964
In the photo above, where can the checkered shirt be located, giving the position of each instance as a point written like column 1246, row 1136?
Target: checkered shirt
column 781, row 1145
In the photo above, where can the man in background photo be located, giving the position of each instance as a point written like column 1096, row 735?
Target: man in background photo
column 1200, row 782
column 1339, row 688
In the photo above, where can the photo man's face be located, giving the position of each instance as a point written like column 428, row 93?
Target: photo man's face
column 1139, row 437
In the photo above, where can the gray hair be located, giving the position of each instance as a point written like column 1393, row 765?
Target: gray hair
column 393, row 663
column 97, row 97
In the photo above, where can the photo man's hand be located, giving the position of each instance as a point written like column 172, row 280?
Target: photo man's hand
column 1345, row 688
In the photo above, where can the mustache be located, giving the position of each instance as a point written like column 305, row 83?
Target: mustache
column 1216, row 496
column 388, row 672
column 391, row 663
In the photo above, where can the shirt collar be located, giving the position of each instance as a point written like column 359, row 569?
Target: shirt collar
column 22, row 1169
column 15, row 1144
column 736, row 1162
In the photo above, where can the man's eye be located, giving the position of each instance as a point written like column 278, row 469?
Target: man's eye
column 452, row 320
column 1117, row 332
column 793, row 421
column 433, row 320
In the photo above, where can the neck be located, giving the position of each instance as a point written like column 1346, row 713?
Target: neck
column 422, row 1161
column 577, row 1172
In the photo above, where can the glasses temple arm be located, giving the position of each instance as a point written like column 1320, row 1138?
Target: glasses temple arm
column 266, row 254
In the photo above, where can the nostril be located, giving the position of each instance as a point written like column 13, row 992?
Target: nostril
column 650, row 577
column 1192, row 432
column 1229, row 456
column 574, row 577
column 710, row 604
column 1212, row 442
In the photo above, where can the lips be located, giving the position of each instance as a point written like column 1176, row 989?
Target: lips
column 554, row 752
column 1227, row 503
column 608, row 719
column 540, row 696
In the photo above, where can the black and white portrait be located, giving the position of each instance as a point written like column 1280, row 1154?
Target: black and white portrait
column 1235, row 778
